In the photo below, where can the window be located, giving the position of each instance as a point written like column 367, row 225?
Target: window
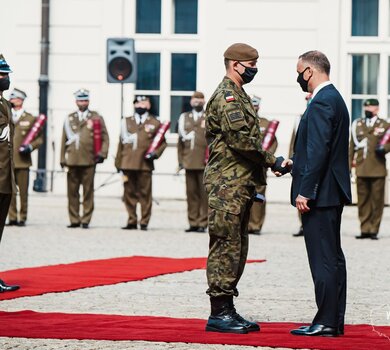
column 186, row 16
column 183, row 74
column 148, row 71
column 148, row 16
column 148, row 79
column 179, row 104
column 365, row 17
column 365, row 69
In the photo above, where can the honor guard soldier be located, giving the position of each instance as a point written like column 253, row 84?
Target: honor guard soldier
column 257, row 215
column 137, row 133
column 23, row 122
column 234, row 168
column 7, row 179
column 84, row 144
column 192, row 153
column 368, row 156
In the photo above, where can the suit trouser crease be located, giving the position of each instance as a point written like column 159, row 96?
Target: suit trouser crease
column 22, row 181
column 228, row 248
column 81, row 176
column 138, row 189
column 321, row 228
column 197, row 207
column 371, row 201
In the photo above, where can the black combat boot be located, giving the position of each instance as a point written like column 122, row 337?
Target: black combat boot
column 222, row 318
column 250, row 326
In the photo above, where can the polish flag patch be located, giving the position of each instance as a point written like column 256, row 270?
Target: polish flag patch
column 229, row 97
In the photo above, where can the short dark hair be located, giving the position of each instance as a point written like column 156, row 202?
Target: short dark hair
column 226, row 62
column 317, row 59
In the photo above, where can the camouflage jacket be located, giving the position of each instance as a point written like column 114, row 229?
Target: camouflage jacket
column 233, row 136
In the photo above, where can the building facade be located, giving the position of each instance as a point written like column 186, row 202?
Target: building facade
column 180, row 45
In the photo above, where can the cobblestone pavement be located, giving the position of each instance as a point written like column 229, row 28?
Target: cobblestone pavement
column 278, row 290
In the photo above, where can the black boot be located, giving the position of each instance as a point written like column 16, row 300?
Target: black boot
column 250, row 326
column 222, row 318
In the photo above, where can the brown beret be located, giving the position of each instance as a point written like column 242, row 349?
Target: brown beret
column 241, row 52
column 197, row 94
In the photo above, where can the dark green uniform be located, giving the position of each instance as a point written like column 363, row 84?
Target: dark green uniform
column 257, row 216
column 231, row 174
column 370, row 171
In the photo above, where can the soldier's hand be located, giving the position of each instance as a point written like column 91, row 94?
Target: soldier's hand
column 27, row 149
column 380, row 150
column 99, row 159
column 282, row 166
column 151, row 156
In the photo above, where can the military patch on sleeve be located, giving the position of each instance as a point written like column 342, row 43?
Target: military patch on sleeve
column 235, row 115
column 229, row 97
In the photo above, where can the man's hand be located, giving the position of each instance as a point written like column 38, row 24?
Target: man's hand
column 380, row 150
column 282, row 166
column 27, row 149
column 99, row 159
column 301, row 203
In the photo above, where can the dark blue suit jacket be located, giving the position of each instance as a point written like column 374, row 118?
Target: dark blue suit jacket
column 320, row 170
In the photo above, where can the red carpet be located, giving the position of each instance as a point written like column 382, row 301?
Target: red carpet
column 92, row 273
column 29, row 324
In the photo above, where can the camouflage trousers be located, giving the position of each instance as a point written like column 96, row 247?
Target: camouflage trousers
column 229, row 210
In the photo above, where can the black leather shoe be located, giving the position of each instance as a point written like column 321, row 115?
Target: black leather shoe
column 314, row 330
column 254, row 232
column 22, row 223
column 130, row 227
column 201, row 229
column 365, row 235
column 144, row 227
column 374, row 236
column 250, row 326
column 340, row 330
column 85, row 225
column 12, row 223
column 192, row 229
column 225, row 322
column 73, row 225
column 299, row 233
column 4, row 287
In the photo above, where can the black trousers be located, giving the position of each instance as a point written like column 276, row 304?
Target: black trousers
column 5, row 201
column 321, row 228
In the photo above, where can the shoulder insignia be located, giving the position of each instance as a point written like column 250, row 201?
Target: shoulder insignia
column 235, row 115
column 229, row 97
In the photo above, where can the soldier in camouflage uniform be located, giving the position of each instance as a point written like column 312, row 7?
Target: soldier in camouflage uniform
column 232, row 172
column 370, row 159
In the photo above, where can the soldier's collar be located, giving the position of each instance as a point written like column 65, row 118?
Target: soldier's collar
column 231, row 84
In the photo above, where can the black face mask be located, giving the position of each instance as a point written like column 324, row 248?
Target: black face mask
column 198, row 108
column 368, row 114
column 302, row 82
column 140, row 110
column 4, row 83
column 249, row 74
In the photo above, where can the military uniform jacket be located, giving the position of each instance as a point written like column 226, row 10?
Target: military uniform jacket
column 22, row 128
column 192, row 149
column 77, row 147
column 7, row 179
column 130, row 155
column 234, row 139
column 362, row 146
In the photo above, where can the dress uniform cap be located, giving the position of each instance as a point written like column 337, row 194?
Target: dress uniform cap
column 241, row 52
column 4, row 67
column 371, row 102
column 198, row 94
column 81, row 95
column 16, row 93
column 255, row 100
column 140, row 98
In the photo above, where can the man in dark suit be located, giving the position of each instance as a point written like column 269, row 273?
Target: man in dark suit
column 320, row 189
